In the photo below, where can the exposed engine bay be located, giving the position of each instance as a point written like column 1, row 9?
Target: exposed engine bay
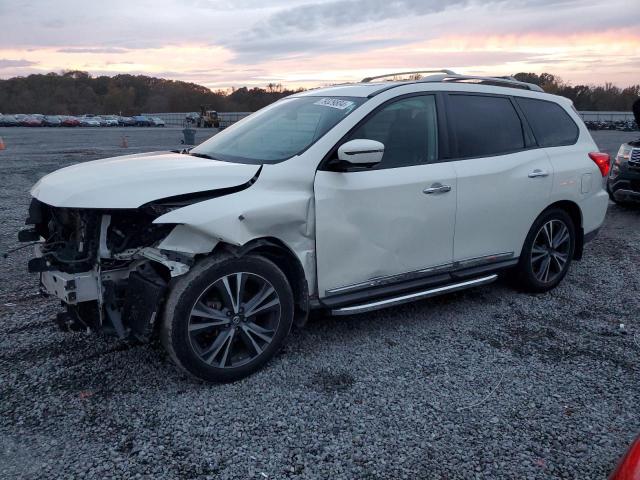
column 104, row 265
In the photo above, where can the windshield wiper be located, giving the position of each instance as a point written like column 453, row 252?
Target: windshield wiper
column 202, row 155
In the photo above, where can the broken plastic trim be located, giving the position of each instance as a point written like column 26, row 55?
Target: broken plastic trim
column 175, row 268
column 165, row 205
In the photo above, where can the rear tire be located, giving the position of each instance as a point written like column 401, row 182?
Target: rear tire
column 547, row 252
column 227, row 317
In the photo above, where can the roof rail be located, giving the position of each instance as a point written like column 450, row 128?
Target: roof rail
column 369, row 79
column 505, row 81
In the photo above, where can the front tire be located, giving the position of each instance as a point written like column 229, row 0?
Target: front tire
column 547, row 251
column 227, row 317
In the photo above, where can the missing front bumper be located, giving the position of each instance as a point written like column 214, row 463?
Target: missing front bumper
column 129, row 304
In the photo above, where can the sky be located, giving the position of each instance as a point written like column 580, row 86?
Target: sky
column 308, row 43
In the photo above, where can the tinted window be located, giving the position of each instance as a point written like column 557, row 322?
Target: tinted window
column 551, row 125
column 407, row 128
column 484, row 126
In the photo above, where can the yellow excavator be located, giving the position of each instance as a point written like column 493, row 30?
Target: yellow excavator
column 208, row 118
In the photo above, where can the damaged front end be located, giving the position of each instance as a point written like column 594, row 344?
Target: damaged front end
column 104, row 265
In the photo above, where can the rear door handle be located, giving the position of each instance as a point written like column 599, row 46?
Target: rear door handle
column 538, row 173
column 437, row 188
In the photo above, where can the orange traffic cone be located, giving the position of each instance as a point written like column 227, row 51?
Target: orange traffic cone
column 125, row 142
column 2, row 147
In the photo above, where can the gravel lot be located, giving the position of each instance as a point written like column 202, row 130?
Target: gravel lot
column 488, row 383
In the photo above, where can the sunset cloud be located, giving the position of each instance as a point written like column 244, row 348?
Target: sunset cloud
column 314, row 42
column 9, row 63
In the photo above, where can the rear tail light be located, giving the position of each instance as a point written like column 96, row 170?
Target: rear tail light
column 602, row 160
column 629, row 466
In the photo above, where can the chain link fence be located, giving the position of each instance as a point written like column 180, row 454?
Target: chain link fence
column 596, row 116
column 177, row 119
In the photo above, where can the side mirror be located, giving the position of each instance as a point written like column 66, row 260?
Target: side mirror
column 361, row 152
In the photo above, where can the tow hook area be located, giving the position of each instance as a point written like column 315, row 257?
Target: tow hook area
column 69, row 321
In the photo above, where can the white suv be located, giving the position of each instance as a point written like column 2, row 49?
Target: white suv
column 348, row 199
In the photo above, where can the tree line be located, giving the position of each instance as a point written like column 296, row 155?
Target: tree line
column 586, row 97
column 77, row 92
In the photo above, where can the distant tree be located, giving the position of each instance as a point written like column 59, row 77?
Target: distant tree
column 274, row 88
column 76, row 74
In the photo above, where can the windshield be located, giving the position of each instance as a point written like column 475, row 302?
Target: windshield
column 280, row 131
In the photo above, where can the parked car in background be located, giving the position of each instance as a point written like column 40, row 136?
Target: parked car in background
column 216, row 251
column 8, row 121
column 69, row 121
column 126, row 121
column 157, row 121
column 31, row 121
column 143, row 121
column 623, row 184
column 619, row 125
column 89, row 121
column 110, row 120
column 52, row 121
column 192, row 118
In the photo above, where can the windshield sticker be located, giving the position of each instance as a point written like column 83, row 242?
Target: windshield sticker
column 334, row 103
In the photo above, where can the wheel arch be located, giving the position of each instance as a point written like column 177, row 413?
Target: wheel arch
column 575, row 212
column 283, row 257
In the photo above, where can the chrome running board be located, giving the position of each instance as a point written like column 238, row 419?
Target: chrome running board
column 410, row 297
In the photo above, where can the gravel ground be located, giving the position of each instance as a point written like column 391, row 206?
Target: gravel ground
column 487, row 383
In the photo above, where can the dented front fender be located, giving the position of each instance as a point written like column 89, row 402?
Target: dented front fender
column 274, row 206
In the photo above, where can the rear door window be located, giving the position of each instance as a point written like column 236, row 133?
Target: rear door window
column 551, row 124
column 484, row 126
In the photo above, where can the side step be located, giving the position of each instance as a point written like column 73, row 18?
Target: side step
column 410, row 297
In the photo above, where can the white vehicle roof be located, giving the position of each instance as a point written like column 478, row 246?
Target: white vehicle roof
column 437, row 80
column 346, row 90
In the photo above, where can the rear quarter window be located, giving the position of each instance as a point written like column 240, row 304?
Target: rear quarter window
column 551, row 124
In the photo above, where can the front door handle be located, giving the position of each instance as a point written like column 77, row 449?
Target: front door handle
column 538, row 173
column 437, row 188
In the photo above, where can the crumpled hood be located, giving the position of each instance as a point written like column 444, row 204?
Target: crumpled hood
column 133, row 180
